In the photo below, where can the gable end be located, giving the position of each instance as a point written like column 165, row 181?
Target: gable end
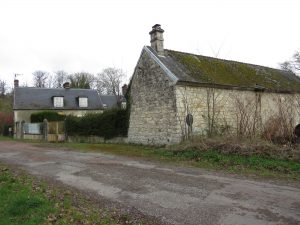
column 171, row 75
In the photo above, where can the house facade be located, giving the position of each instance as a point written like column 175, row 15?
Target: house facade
column 175, row 95
column 65, row 101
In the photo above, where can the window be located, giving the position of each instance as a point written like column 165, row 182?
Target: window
column 83, row 102
column 58, row 102
column 297, row 130
column 123, row 105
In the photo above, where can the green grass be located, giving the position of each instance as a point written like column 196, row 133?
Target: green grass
column 19, row 204
column 26, row 201
column 5, row 138
column 211, row 159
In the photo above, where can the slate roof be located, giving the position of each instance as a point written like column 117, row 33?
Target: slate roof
column 207, row 70
column 111, row 101
column 42, row 98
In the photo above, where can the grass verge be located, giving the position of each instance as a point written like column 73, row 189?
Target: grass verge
column 5, row 138
column 25, row 200
column 209, row 159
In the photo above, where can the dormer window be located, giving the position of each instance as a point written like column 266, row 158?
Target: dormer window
column 123, row 105
column 83, row 102
column 58, row 102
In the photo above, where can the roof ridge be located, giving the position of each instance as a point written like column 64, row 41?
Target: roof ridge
column 39, row 88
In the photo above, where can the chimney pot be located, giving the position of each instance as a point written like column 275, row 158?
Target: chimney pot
column 124, row 89
column 66, row 85
column 157, row 39
column 16, row 83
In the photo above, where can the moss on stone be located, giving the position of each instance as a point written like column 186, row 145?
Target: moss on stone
column 218, row 71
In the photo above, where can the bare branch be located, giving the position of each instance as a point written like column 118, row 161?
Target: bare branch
column 40, row 78
column 109, row 81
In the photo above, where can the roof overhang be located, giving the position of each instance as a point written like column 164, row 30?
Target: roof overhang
column 232, row 87
column 171, row 75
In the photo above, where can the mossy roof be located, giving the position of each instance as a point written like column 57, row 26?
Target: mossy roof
column 202, row 69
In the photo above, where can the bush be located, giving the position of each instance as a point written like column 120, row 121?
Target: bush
column 279, row 130
column 49, row 115
column 6, row 121
column 111, row 123
column 239, row 146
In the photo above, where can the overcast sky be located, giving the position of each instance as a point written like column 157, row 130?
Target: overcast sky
column 89, row 35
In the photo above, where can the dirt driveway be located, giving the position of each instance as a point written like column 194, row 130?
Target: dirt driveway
column 175, row 195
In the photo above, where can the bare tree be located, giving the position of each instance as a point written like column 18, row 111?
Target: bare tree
column 50, row 81
column 286, row 66
column 296, row 60
column 82, row 80
column 247, row 111
column 3, row 87
column 109, row 81
column 60, row 78
column 292, row 65
column 280, row 126
column 40, row 78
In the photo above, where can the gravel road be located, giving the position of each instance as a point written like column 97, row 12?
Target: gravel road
column 175, row 195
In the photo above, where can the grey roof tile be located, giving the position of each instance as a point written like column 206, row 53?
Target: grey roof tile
column 111, row 101
column 42, row 98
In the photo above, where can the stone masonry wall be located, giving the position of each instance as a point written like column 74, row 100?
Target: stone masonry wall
column 159, row 108
column 222, row 110
column 153, row 106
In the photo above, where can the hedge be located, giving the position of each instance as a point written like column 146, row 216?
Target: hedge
column 49, row 115
column 109, row 124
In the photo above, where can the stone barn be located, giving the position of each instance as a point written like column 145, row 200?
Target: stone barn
column 175, row 95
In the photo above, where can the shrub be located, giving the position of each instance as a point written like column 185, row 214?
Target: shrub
column 279, row 130
column 6, row 121
column 240, row 146
column 111, row 123
column 49, row 115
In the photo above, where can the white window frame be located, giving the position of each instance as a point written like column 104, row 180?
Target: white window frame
column 123, row 105
column 83, row 102
column 58, row 102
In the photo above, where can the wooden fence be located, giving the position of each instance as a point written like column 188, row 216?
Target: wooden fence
column 56, row 131
column 47, row 131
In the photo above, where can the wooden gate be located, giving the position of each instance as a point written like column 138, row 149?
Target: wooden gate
column 56, row 131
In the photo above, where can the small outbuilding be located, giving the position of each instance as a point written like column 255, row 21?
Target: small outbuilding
column 176, row 95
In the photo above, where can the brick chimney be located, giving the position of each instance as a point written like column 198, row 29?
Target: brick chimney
column 16, row 83
column 124, row 89
column 157, row 39
column 66, row 85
